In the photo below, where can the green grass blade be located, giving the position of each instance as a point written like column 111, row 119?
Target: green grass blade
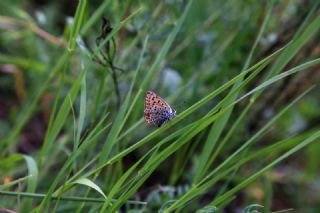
column 32, row 181
column 243, row 184
column 78, row 22
column 91, row 184
column 69, row 198
column 295, row 46
column 83, row 103
column 218, row 127
column 61, row 117
column 98, row 13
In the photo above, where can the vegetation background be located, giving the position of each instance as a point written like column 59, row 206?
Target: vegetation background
column 242, row 75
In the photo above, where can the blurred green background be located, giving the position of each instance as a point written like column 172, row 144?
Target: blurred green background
column 42, row 53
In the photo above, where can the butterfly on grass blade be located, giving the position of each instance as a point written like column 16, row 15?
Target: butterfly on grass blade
column 156, row 110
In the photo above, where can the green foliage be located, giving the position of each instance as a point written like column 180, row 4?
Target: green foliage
column 239, row 71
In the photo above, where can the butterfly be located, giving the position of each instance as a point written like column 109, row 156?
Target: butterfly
column 156, row 110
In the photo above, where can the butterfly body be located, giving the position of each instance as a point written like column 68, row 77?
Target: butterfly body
column 156, row 110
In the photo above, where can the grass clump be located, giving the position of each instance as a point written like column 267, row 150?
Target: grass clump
column 242, row 76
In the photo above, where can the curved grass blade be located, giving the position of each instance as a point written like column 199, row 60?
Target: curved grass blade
column 91, row 184
column 32, row 181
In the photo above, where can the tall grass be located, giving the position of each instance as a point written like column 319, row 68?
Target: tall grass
column 95, row 157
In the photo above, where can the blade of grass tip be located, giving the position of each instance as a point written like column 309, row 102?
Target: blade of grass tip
column 192, row 108
column 32, row 181
column 60, row 118
column 91, row 184
column 30, row 108
column 98, row 13
column 218, row 127
column 78, row 21
column 253, row 177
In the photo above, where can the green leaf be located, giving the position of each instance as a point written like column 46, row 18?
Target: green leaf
column 89, row 183
column 32, row 181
